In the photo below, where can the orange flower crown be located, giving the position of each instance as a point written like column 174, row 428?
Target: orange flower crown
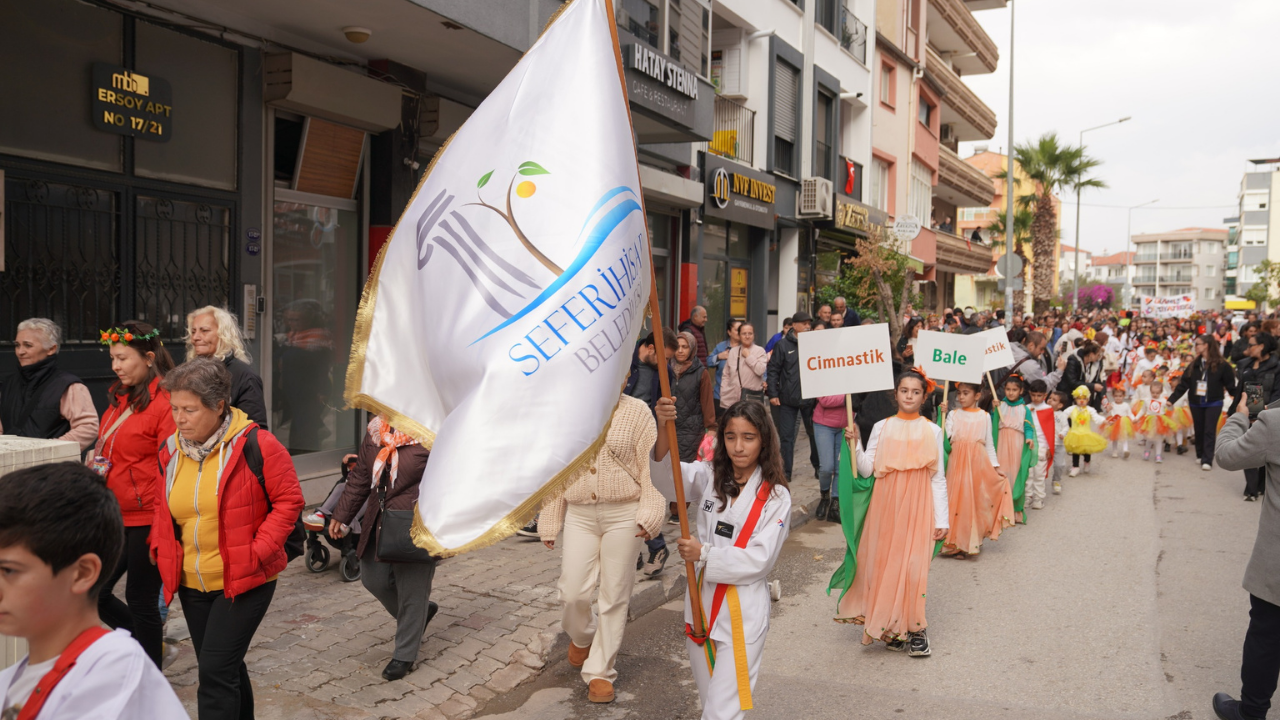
column 929, row 385
column 111, row 336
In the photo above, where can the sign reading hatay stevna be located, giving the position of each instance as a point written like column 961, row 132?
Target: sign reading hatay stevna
column 498, row 322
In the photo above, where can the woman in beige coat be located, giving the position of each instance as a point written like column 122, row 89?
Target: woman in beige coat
column 744, row 369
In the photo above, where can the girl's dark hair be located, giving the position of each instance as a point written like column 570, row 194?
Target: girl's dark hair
column 770, row 460
column 1017, row 379
column 1212, row 353
column 139, row 396
column 909, row 375
column 1088, row 347
column 912, row 324
column 984, row 394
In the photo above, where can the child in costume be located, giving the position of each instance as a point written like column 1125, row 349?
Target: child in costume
column 980, row 499
column 1015, row 439
column 1081, row 440
column 1045, row 428
column 1119, row 425
column 743, row 506
column 1155, row 425
column 906, row 516
column 1148, row 361
column 1059, row 401
column 1180, row 411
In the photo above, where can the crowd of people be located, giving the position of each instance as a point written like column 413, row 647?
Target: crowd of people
column 208, row 505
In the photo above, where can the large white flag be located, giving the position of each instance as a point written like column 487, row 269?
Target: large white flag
column 498, row 323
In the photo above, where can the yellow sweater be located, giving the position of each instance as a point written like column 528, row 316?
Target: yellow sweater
column 193, row 502
column 619, row 473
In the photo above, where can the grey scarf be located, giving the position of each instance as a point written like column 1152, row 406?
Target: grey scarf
column 199, row 451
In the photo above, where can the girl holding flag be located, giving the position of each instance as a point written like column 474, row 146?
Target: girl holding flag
column 743, row 506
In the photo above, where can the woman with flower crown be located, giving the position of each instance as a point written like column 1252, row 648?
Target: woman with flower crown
column 137, row 420
column 907, row 515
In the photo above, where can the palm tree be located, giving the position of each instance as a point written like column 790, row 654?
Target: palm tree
column 1022, row 221
column 1053, row 168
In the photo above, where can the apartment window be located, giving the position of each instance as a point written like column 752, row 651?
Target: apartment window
column 640, row 18
column 920, row 197
column 1210, row 270
column 886, row 84
column 1253, row 236
column 879, row 197
column 926, row 113
column 823, row 139
column 785, row 106
column 1254, row 201
column 826, row 12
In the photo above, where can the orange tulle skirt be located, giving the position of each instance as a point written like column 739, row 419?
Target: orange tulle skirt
column 1157, row 426
column 1181, row 418
column 1117, row 428
column 1222, row 420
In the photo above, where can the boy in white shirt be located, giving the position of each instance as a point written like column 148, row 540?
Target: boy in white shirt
column 1043, row 418
column 1059, row 400
column 59, row 528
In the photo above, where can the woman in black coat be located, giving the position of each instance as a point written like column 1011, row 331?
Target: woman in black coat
column 213, row 332
column 1206, row 400
column 1085, row 368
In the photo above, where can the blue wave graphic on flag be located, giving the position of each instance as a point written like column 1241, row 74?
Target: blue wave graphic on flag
column 599, row 233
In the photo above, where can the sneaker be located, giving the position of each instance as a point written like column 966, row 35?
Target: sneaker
column 1126, row 454
column 1206, row 466
column 674, row 519
column 1250, row 498
column 169, row 653
column 895, row 645
column 1182, row 449
column 918, row 644
column 530, row 530
column 1037, row 504
column 657, row 560
column 314, row 522
column 1088, row 470
column 640, row 562
column 1115, row 453
column 1146, row 455
column 1057, row 488
column 1074, row 472
column 1159, row 458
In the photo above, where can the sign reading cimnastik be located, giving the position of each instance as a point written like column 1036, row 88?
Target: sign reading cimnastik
column 950, row 356
column 128, row 103
column 845, row 360
column 998, row 353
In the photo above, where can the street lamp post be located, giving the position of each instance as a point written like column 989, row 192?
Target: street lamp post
column 1010, row 182
column 1128, row 244
column 1075, row 271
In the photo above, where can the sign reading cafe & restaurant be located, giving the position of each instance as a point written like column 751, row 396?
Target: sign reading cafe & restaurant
column 127, row 103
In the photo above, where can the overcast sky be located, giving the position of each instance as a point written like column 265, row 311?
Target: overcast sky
column 1198, row 79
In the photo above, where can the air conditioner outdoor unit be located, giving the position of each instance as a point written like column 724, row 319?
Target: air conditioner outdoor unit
column 815, row 198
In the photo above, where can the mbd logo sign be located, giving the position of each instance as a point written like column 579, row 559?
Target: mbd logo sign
column 720, row 187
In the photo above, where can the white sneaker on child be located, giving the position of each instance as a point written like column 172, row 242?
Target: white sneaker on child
column 1074, row 472
column 1057, row 488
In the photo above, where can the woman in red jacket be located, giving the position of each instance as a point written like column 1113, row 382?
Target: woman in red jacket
column 230, row 490
column 136, row 421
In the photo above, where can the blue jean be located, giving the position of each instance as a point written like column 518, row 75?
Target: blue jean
column 828, row 439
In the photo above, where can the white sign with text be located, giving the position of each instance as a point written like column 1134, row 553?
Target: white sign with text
column 845, row 360
column 950, row 356
column 998, row 353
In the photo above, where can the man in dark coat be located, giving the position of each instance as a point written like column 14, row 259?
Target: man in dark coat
column 696, row 325
column 784, row 388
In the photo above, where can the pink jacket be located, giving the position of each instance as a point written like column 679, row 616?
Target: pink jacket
column 830, row 411
column 742, row 371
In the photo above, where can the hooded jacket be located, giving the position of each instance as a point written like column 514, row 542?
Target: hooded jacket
column 134, row 477
column 250, row 539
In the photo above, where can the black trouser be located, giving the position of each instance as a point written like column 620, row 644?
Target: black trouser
column 1205, row 421
column 1255, row 481
column 784, row 420
column 221, row 630
column 1260, row 668
column 1075, row 460
column 813, row 442
column 141, row 616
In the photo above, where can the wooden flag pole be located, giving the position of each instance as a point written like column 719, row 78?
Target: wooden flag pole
column 853, row 449
column 673, row 451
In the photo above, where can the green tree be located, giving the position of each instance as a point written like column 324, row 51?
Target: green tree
column 879, row 281
column 1022, row 221
column 1053, row 168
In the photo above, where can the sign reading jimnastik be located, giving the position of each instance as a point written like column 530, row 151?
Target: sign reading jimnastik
column 738, row 193
column 127, row 103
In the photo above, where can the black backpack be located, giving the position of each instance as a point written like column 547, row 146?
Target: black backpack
column 294, row 545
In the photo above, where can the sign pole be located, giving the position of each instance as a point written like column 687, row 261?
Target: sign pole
column 853, row 450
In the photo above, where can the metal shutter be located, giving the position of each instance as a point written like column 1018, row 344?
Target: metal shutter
column 786, row 85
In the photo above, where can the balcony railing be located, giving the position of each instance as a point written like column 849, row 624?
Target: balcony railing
column 1176, row 279
column 733, row 135
column 961, row 107
column 1176, row 255
column 1145, row 259
column 853, row 35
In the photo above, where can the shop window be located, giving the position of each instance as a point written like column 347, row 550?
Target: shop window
column 205, row 81
column 785, row 116
column 47, row 49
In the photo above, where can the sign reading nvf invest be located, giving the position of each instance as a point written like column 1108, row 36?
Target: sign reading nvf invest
column 127, row 103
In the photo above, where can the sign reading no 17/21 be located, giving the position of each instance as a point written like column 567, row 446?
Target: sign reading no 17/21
column 127, row 103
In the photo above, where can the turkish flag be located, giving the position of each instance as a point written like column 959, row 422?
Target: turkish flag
column 848, row 183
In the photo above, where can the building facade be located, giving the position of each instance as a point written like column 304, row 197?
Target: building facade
column 1189, row 261
column 1257, row 237
column 1115, row 270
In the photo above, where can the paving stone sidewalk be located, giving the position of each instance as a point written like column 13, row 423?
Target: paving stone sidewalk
column 320, row 651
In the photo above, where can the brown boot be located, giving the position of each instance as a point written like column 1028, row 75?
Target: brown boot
column 577, row 655
column 600, row 691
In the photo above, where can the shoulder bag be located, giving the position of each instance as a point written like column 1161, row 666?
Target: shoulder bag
column 757, row 395
column 395, row 527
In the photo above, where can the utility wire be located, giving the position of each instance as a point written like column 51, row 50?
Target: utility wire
column 1126, row 207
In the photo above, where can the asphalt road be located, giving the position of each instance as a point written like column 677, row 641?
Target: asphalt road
column 1121, row 599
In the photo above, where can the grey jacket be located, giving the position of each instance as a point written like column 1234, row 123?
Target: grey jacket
column 1239, row 447
column 1030, row 370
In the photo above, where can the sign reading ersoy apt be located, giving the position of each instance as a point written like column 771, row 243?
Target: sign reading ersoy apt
column 950, row 356
column 998, row 353
column 127, row 103
column 845, row 360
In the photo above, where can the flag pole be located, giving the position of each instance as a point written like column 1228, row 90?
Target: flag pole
column 673, row 444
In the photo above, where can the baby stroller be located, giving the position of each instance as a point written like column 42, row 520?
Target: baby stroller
column 317, row 555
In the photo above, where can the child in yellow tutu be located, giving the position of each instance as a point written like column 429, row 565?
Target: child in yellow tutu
column 1118, row 428
column 1081, row 439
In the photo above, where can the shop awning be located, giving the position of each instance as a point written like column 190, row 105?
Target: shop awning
column 1241, row 305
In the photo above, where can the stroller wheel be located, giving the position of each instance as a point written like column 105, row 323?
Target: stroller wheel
column 350, row 567
column 317, row 558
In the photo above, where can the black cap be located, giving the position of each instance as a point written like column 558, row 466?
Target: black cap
column 801, row 317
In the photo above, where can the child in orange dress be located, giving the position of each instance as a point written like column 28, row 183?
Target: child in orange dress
column 1016, row 443
column 906, row 516
column 1155, row 425
column 978, row 492
column 1118, row 427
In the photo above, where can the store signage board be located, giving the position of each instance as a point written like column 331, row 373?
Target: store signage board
column 906, row 227
column 738, row 193
column 128, row 103
column 998, row 353
column 845, row 360
column 950, row 356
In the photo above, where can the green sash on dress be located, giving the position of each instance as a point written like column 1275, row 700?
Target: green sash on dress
column 1030, row 453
